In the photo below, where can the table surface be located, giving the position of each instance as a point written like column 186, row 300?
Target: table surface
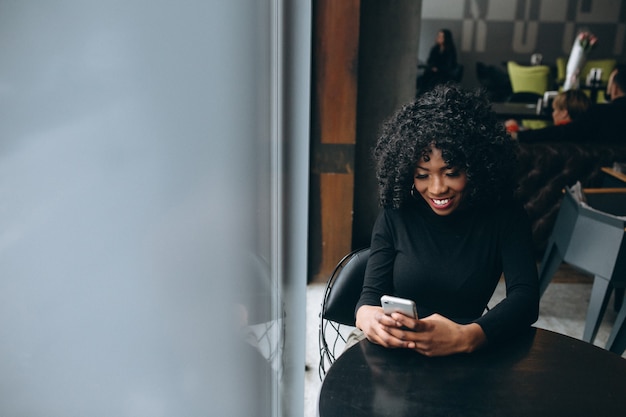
column 508, row 110
column 618, row 175
column 539, row 373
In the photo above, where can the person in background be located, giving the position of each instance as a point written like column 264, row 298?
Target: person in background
column 448, row 230
column 566, row 107
column 440, row 64
column 600, row 124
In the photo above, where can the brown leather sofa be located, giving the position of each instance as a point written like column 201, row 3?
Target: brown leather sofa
column 546, row 168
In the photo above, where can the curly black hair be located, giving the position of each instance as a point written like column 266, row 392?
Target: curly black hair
column 462, row 125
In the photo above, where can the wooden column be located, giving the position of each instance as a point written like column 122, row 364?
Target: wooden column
column 333, row 132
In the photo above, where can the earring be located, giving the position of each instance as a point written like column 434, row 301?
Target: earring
column 413, row 192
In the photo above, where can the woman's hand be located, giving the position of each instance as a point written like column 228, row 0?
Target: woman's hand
column 433, row 336
column 385, row 330
column 512, row 127
column 437, row 335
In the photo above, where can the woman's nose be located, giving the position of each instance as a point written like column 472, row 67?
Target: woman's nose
column 437, row 185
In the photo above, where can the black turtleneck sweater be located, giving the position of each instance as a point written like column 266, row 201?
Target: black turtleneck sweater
column 451, row 264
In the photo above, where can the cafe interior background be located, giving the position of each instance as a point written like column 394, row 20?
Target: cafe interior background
column 373, row 50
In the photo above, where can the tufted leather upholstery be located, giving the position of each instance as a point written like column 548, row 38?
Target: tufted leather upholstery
column 546, row 168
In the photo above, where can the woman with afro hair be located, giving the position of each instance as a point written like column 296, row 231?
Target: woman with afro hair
column 448, row 230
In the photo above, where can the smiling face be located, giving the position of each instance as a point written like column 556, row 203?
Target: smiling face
column 439, row 184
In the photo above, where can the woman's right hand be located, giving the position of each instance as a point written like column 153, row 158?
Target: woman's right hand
column 382, row 329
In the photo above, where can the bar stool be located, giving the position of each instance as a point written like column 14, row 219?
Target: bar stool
column 590, row 234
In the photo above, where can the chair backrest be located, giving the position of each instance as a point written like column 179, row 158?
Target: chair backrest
column 344, row 288
column 561, row 70
column 607, row 66
column 533, row 79
column 494, row 80
column 456, row 74
column 587, row 233
column 342, row 293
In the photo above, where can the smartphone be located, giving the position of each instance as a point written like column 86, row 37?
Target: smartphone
column 398, row 305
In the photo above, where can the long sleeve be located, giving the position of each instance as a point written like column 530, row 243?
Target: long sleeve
column 520, row 307
column 451, row 265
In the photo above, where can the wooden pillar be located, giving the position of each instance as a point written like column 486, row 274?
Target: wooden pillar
column 333, row 132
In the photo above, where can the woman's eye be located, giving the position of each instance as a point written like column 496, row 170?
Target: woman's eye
column 421, row 176
column 453, row 173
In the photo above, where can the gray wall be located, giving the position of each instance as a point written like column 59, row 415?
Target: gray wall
column 387, row 70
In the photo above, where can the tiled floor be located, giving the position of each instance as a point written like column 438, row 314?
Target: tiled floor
column 563, row 309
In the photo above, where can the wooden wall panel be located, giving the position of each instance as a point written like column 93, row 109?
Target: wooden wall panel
column 337, row 191
column 333, row 132
column 337, row 50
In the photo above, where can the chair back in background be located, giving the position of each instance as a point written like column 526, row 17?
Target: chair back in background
column 531, row 79
column 606, row 65
column 456, row 74
column 342, row 293
column 528, row 84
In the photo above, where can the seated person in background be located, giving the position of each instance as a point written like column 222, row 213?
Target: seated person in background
column 566, row 107
column 449, row 229
column 440, row 64
column 602, row 123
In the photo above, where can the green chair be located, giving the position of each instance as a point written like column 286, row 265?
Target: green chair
column 530, row 79
column 607, row 66
column 533, row 79
column 561, row 70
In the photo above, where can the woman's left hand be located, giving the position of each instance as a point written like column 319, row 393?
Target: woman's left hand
column 437, row 335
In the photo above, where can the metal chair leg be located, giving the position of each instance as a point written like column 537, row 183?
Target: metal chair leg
column 618, row 297
column 617, row 339
column 600, row 293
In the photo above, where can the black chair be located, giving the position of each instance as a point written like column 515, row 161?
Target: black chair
column 426, row 81
column 494, row 80
column 342, row 293
column 456, row 74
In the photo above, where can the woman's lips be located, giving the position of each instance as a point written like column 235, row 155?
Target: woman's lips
column 441, row 203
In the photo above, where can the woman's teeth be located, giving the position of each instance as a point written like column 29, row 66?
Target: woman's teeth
column 441, row 202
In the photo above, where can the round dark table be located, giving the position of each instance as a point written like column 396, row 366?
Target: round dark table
column 540, row 373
